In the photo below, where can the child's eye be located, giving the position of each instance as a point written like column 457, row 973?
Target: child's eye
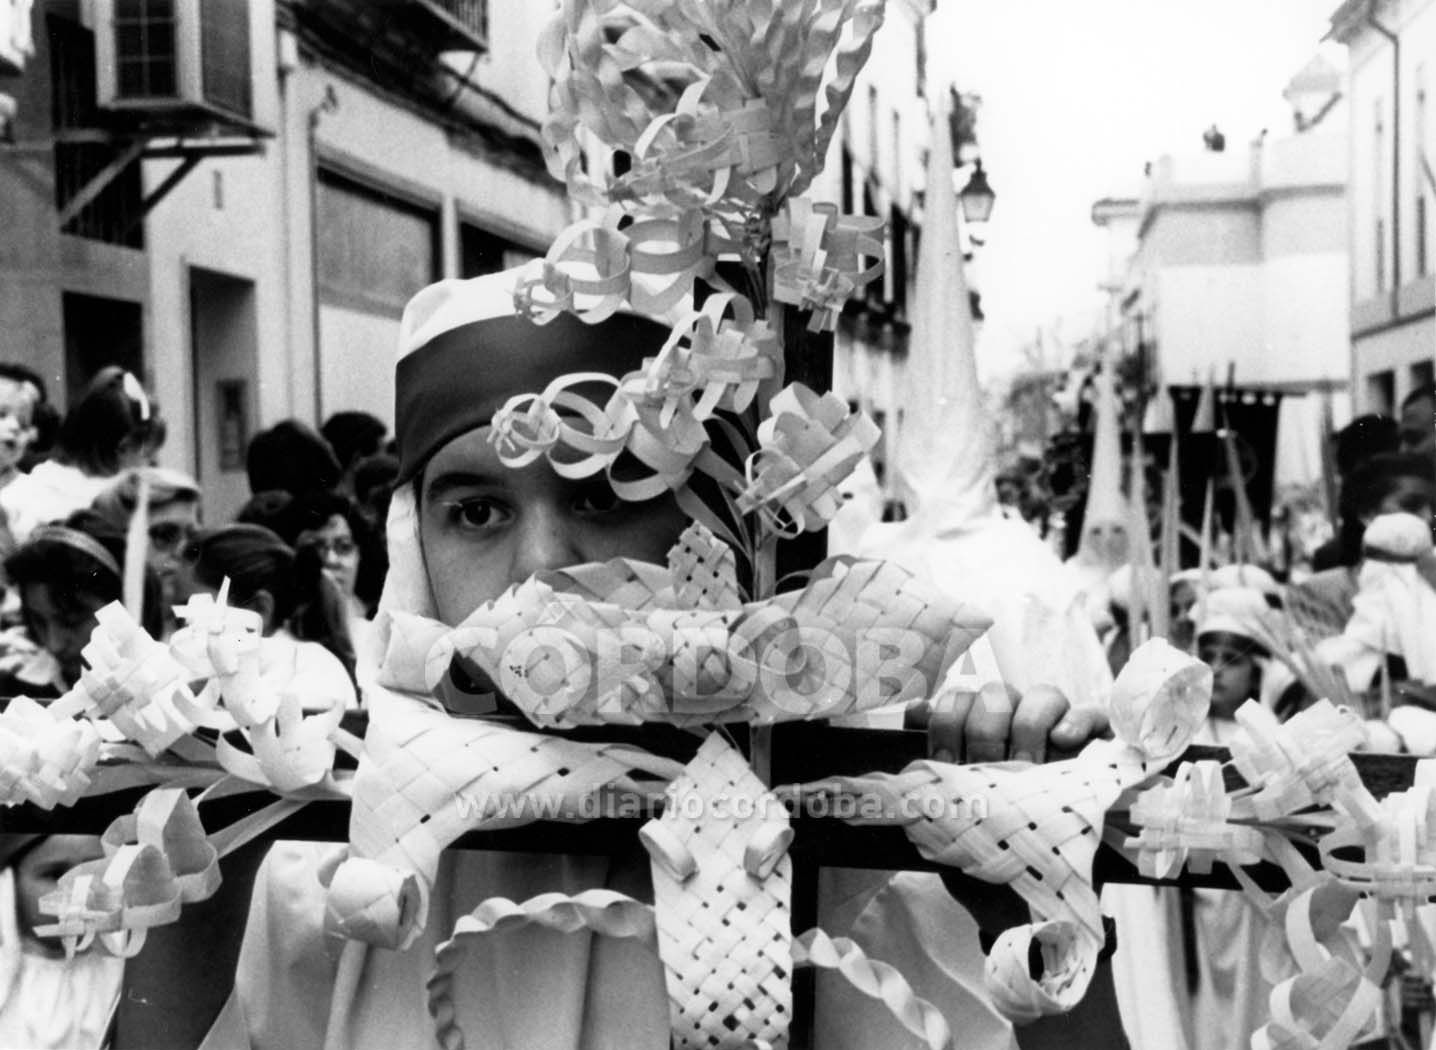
column 479, row 512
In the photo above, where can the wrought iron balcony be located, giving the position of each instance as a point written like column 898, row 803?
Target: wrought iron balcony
column 451, row 25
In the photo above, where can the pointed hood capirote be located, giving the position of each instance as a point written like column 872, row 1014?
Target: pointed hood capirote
column 956, row 535
column 946, row 450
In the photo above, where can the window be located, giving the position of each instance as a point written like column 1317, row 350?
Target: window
column 1378, row 183
column 1381, row 255
column 375, row 249
column 114, row 216
column 482, row 252
column 920, row 58
column 895, row 191
column 224, row 44
column 1421, row 231
column 846, row 174
column 99, row 332
column 1423, row 373
column 898, row 252
column 469, row 17
column 1381, row 392
column 873, row 111
column 145, row 47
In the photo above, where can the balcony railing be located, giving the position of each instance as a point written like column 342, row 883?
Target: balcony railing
column 461, row 25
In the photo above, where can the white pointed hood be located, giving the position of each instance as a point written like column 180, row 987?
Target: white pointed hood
column 945, row 448
column 945, row 467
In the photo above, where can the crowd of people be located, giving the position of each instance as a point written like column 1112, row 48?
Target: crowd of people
column 1355, row 623
column 306, row 552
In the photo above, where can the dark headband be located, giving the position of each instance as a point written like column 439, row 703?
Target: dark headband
column 459, row 379
column 64, row 536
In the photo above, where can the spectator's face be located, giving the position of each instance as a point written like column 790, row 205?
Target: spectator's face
column 38, row 874
column 135, row 453
column 1418, row 427
column 17, row 409
column 1183, row 599
column 338, row 552
column 484, row 527
column 1107, row 540
column 172, row 525
column 61, row 630
column 1233, row 673
column 1008, row 491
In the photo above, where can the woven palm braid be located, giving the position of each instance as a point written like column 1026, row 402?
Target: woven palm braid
column 426, row 778
column 724, row 932
column 1035, row 828
column 563, row 647
column 704, row 572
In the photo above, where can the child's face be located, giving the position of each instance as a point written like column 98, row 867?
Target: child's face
column 63, row 630
column 38, row 873
column 484, row 527
column 17, row 409
column 1233, row 674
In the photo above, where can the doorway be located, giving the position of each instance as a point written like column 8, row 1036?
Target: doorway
column 224, row 353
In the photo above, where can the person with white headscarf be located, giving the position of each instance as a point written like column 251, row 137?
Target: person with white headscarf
column 1237, row 633
column 1221, row 929
column 1392, row 630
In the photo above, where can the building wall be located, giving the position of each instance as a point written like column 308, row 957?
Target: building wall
column 1207, row 317
column 227, row 279
column 1305, row 321
column 1220, row 233
column 38, row 263
column 1392, row 329
column 1242, row 261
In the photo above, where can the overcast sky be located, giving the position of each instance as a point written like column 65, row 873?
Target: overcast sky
column 1077, row 96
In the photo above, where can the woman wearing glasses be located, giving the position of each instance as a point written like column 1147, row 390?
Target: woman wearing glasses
column 331, row 529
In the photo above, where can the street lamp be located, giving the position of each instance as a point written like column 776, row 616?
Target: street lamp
column 977, row 197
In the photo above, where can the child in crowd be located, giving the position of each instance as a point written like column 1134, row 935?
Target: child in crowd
column 1229, row 988
column 49, row 1001
column 112, row 428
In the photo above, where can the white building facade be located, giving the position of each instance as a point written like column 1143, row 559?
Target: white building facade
column 1241, row 264
column 1391, row 46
